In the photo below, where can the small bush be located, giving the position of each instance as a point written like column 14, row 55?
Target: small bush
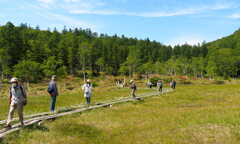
column 40, row 89
column 167, row 80
column 94, row 85
column 154, row 80
column 139, row 76
column 184, row 82
column 70, row 88
column 225, row 77
column 5, row 81
column 217, row 82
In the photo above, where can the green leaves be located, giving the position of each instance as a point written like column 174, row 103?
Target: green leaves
column 53, row 67
column 28, row 70
column 71, row 51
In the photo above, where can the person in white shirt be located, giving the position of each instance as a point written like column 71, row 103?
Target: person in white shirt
column 17, row 99
column 87, row 88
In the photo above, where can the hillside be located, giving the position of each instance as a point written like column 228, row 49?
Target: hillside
column 231, row 41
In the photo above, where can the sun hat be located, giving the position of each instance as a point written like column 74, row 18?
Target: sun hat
column 131, row 80
column 14, row 80
column 88, row 80
column 53, row 77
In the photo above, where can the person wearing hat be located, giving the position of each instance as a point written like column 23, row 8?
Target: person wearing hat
column 133, row 87
column 87, row 88
column 53, row 91
column 17, row 99
column 159, row 85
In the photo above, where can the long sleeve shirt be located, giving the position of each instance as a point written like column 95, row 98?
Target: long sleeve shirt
column 53, row 85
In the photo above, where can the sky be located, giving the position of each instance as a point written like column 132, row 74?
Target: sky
column 170, row 22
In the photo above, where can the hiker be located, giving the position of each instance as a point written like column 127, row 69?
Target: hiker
column 134, row 88
column 174, row 84
column 53, row 91
column 149, row 84
column 17, row 99
column 159, row 85
column 87, row 88
column 117, row 82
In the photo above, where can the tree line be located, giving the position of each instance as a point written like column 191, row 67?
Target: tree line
column 33, row 54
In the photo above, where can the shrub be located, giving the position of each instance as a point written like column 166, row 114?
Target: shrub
column 167, row 80
column 94, row 85
column 154, row 80
column 217, row 82
column 70, row 88
column 225, row 77
column 184, row 82
column 5, row 81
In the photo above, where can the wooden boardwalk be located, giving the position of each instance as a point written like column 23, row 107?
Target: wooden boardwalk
column 47, row 116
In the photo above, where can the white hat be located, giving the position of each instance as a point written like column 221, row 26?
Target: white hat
column 53, row 77
column 88, row 80
column 131, row 80
column 14, row 80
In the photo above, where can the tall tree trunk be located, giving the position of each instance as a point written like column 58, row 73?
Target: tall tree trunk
column 28, row 85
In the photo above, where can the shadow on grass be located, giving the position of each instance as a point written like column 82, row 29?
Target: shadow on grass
column 138, row 101
column 35, row 126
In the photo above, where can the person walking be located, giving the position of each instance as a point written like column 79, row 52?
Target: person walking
column 87, row 88
column 174, row 84
column 53, row 91
column 134, row 88
column 149, row 84
column 159, row 85
column 17, row 99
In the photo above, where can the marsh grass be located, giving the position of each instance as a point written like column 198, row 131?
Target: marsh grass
column 193, row 114
column 39, row 99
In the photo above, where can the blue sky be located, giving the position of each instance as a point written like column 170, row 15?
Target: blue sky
column 170, row 22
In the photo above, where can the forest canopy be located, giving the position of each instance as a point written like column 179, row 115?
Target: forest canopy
column 32, row 54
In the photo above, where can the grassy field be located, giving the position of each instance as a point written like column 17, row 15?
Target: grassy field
column 192, row 114
column 40, row 102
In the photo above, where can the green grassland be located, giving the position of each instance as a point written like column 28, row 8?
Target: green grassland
column 191, row 114
column 70, row 95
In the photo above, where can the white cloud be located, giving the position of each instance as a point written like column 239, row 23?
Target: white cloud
column 123, row 1
column 192, row 40
column 46, row 1
column 62, row 19
column 188, row 11
column 97, row 12
column 71, row 21
column 69, row 1
column 234, row 16
column 89, row 8
column 144, row 14
column 222, row 6
column 98, row 7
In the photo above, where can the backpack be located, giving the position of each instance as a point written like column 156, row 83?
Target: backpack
column 135, row 87
column 50, row 89
column 21, row 91
column 20, row 88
